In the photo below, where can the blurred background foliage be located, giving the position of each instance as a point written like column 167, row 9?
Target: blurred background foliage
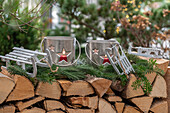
column 25, row 26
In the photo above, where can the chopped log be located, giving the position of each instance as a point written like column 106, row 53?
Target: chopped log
column 65, row 84
column 129, row 92
column 159, row 88
column 119, row 106
column 167, row 79
column 91, row 102
column 144, row 103
column 151, row 77
column 130, row 109
column 33, row 110
column 105, row 107
column 160, row 107
column 100, row 85
column 24, row 89
column 5, row 72
column 7, row 109
column 116, row 85
column 113, row 98
column 23, row 105
column 6, row 86
column 53, row 104
column 80, row 110
column 81, row 88
column 161, row 63
column 49, row 90
column 56, row 111
column 110, row 92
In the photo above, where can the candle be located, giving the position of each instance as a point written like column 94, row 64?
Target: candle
column 63, row 56
column 106, row 60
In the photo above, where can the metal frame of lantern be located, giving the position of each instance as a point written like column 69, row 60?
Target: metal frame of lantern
column 24, row 56
column 119, row 60
column 62, row 56
column 96, row 52
column 113, row 57
column 148, row 52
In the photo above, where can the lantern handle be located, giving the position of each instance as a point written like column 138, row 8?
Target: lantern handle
column 42, row 44
column 78, row 55
column 88, row 55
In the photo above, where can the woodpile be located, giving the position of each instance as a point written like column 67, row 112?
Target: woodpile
column 94, row 95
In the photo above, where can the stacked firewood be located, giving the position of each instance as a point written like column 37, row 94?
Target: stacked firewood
column 93, row 95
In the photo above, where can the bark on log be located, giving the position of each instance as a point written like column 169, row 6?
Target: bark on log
column 6, row 86
column 80, row 110
column 23, row 105
column 159, row 88
column 65, row 84
column 160, row 107
column 129, row 92
column 105, row 107
column 119, row 107
column 81, row 88
column 113, row 98
column 100, row 85
column 33, row 110
column 53, row 104
column 91, row 102
column 5, row 72
column 144, row 103
column 116, row 85
column 24, row 89
column 56, row 111
column 130, row 109
column 7, row 109
column 49, row 90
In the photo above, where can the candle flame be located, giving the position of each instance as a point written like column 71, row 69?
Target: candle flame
column 63, row 52
column 105, row 56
